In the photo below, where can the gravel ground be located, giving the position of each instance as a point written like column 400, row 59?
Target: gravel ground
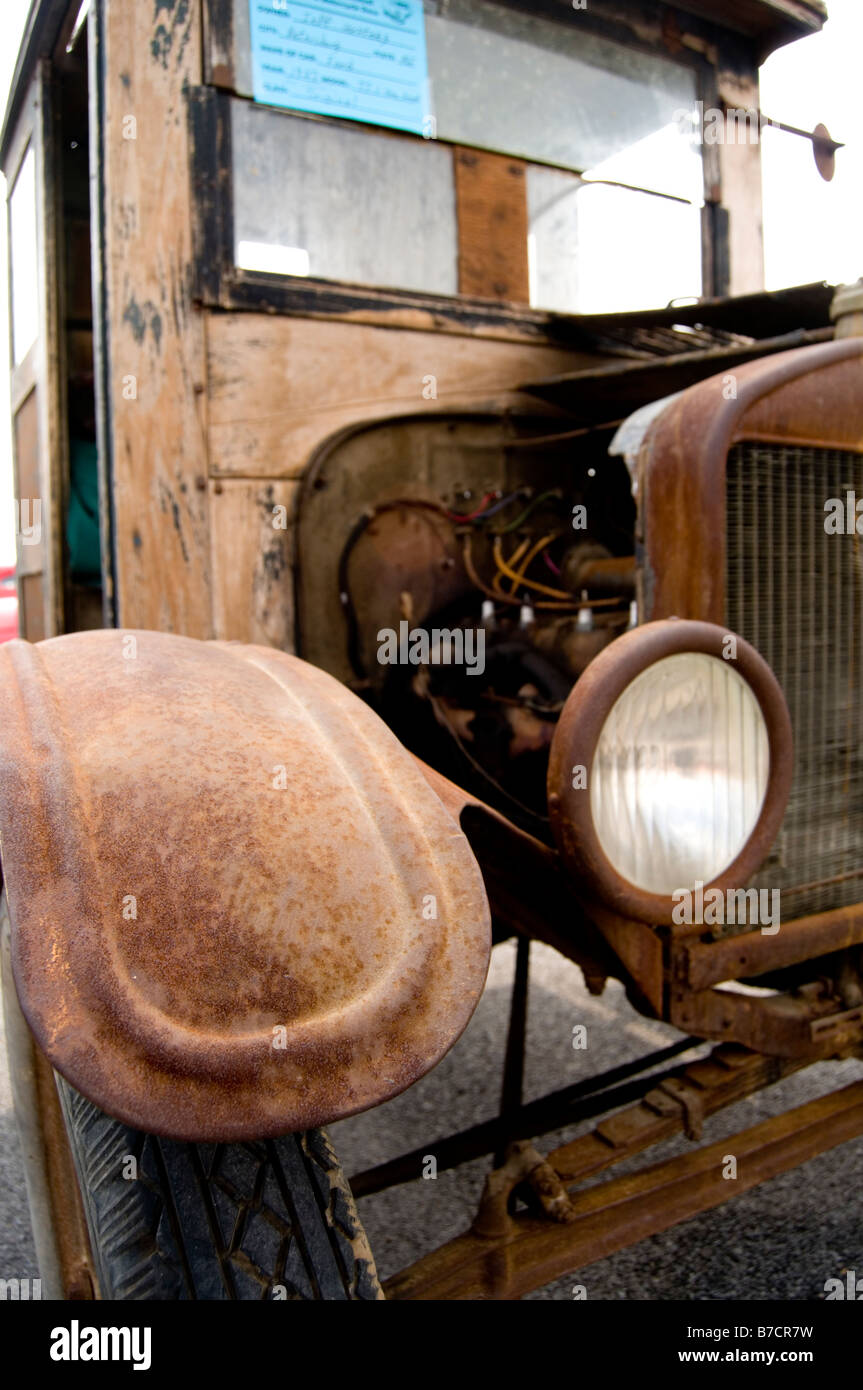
column 779, row 1241
column 17, row 1253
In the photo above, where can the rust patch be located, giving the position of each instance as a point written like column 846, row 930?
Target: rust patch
column 238, row 908
column 171, row 34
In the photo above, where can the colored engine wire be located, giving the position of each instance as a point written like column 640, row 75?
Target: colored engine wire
column 529, row 509
column 526, row 563
column 559, row 594
column 482, row 512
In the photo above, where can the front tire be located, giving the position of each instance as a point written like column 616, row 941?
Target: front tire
column 268, row 1219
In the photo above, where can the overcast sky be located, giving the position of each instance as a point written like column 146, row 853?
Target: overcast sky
column 813, row 231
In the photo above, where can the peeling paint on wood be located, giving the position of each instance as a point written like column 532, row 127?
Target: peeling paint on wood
column 253, row 533
column 156, row 335
column 171, row 35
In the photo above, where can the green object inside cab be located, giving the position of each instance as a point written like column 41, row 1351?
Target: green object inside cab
column 82, row 520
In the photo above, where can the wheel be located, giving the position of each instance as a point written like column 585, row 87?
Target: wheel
column 270, row 1219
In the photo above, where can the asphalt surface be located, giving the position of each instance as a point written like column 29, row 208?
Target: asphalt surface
column 17, row 1254
column 782, row 1240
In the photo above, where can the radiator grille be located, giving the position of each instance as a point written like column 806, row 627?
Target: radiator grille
column 796, row 593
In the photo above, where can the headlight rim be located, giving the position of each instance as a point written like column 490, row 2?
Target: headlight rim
column 577, row 736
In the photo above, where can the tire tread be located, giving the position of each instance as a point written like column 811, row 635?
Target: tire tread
column 243, row 1221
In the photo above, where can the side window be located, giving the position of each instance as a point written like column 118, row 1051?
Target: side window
column 23, row 264
column 598, row 248
column 36, row 391
column 343, row 204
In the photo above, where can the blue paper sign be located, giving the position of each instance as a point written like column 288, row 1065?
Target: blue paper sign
column 364, row 60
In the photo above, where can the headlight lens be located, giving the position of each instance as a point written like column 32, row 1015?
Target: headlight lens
column 680, row 773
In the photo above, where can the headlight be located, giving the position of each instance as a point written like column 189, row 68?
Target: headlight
column 679, row 773
column 671, row 765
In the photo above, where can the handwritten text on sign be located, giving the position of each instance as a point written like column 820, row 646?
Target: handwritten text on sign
column 364, row 60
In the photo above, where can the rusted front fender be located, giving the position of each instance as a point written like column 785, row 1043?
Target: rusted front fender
column 238, row 908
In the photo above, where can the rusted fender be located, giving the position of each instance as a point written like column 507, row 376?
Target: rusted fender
column 238, row 908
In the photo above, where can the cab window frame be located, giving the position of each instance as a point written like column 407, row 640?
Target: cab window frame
column 221, row 284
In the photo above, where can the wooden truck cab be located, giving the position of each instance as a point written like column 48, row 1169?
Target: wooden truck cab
column 432, row 269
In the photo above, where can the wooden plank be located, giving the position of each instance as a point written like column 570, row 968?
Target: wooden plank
column 253, row 588
column 491, row 202
column 773, row 21
column 280, row 385
column 31, row 611
column 52, row 369
column 219, row 43
column 154, row 334
column 227, row 46
column 740, row 175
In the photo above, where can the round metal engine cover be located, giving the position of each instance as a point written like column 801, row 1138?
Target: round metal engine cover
column 238, row 908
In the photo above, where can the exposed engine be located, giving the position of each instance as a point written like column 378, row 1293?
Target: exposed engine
column 470, row 619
